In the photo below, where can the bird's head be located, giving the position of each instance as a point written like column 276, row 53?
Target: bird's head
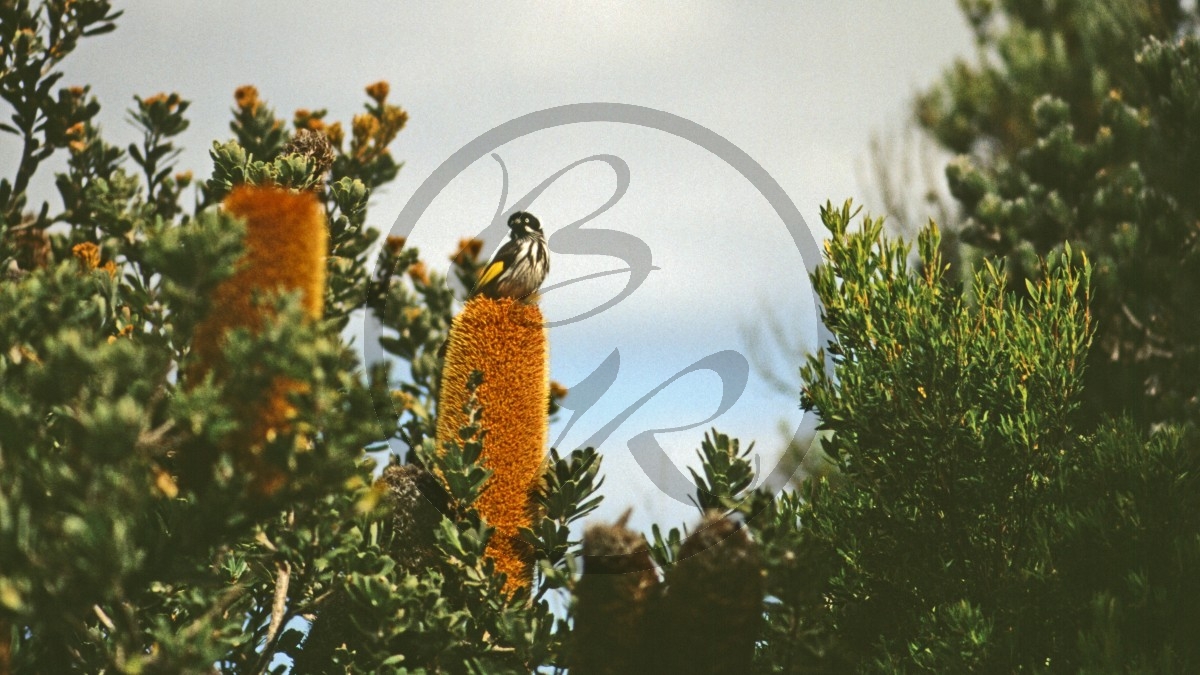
column 524, row 224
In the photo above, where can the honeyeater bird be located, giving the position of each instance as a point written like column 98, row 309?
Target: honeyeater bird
column 520, row 266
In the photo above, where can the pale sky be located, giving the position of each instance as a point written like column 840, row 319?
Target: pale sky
column 797, row 86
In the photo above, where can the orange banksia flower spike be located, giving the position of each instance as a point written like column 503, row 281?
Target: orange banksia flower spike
column 284, row 250
column 506, row 341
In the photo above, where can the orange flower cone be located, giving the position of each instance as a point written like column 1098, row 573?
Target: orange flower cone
column 506, row 341
column 284, row 250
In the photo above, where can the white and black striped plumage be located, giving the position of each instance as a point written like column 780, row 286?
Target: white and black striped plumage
column 521, row 265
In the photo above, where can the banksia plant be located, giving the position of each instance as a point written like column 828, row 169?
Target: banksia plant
column 619, row 580
column 284, row 251
column 506, row 341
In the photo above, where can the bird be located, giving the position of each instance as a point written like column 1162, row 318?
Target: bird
column 520, row 266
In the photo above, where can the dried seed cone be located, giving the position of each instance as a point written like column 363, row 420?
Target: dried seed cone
column 618, row 581
column 713, row 607
column 31, row 247
column 416, row 501
column 316, row 147
column 284, row 250
column 506, row 341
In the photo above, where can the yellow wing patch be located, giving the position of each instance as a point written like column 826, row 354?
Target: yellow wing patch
column 490, row 273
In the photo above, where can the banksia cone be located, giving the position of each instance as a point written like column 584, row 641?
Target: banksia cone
column 284, row 250
column 713, row 606
column 31, row 247
column 316, row 148
column 414, row 502
column 506, row 341
column 619, row 579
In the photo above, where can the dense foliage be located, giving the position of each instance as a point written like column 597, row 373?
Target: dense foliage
column 1080, row 123
column 114, row 554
